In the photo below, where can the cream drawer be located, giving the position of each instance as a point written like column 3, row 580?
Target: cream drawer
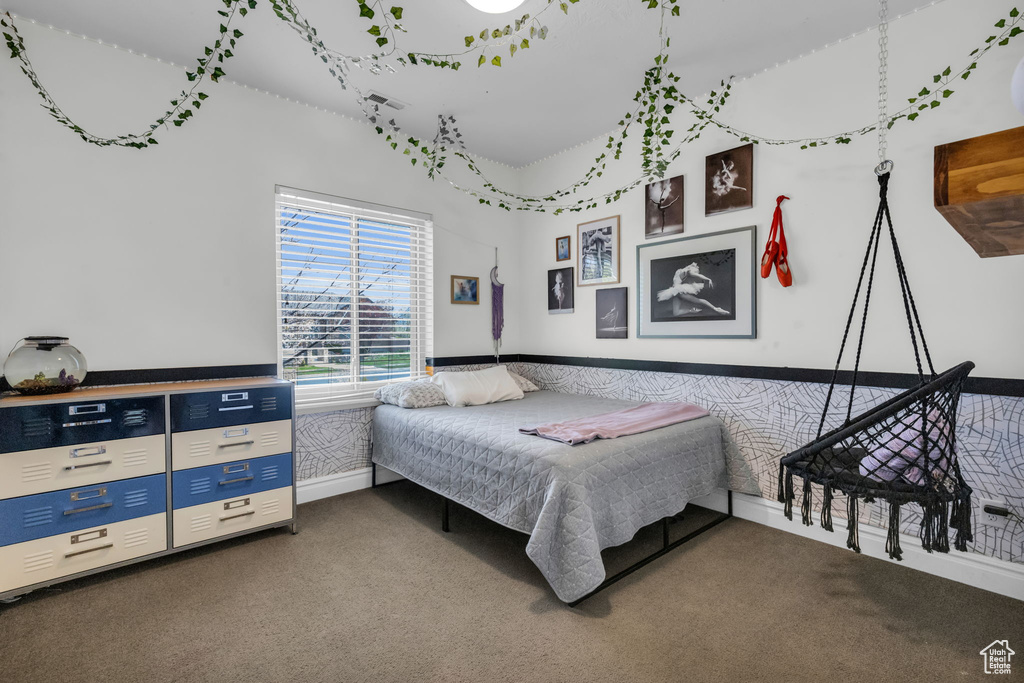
column 229, row 516
column 45, row 559
column 50, row 469
column 226, row 444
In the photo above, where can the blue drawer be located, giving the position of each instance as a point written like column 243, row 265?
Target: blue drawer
column 57, row 512
column 26, row 428
column 217, row 482
column 226, row 408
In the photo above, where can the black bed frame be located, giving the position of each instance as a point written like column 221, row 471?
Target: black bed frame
column 667, row 545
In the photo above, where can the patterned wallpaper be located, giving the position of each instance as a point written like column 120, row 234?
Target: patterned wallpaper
column 767, row 418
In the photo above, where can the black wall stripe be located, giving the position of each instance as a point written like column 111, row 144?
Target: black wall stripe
column 993, row 386
column 155, row 375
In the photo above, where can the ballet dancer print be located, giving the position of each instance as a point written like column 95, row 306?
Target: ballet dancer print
column 729, row 180
column 686, row 285
column 664, row 207
column 695, row 287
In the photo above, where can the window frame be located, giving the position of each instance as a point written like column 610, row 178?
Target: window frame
column 359, row 393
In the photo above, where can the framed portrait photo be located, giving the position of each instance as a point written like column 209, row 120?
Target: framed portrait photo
column 562, row 250
column 729, row 180
column 612, row 313
column 663, row 207
column 560, row 291
column 465, row 289
column 702, row 286
column 597, row 252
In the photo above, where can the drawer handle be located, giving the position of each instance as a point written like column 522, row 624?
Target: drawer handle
column 90, row 550
column 88, row 409
column 87, row 451
column 235, row 481
column 88, row 464
column 86, row 423
column 224, row 410
column 89, row 509
column 236, row 443
column 240, row 514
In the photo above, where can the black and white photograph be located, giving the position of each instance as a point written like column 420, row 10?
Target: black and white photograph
column 611, row 311
column 702, row 286
column 729, row 180
column 597, row 249
column 664, row 207
column 560, row 290
column 698, row 286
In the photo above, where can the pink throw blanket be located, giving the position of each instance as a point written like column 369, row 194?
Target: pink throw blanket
column 641, row 418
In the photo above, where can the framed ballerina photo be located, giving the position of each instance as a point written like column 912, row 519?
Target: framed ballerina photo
column 560, row 291
column 562, row 251
column 465, row 290
column 729, row 180
column 597, row 252
column 612, row 312
column 701, row 286
column 663, row 207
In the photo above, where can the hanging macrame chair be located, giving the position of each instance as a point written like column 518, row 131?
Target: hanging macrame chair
column 902, row 451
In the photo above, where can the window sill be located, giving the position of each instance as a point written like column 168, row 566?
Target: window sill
column 336, row 406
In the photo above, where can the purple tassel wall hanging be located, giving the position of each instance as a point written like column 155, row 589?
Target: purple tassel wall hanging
column 497, row 308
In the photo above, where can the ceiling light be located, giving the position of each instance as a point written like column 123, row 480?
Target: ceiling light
column 495, row 6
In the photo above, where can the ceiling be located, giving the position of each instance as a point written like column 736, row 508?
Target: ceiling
column 565, row 90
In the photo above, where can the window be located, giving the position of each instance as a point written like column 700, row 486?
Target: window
column 355, row 295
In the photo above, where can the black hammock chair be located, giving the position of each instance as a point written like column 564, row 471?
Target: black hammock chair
column 902, row 451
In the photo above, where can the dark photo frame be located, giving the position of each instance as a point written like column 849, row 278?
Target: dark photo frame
column 611, row 313
column 561, row 292
column 663, row 207
column 729, row 180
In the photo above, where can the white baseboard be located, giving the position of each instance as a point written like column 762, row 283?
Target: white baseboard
column 344, row 482
column 973, row 569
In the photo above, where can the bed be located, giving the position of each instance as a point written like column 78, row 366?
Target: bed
column 572, row 501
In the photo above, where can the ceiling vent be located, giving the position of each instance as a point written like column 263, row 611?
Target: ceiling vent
column 377, row 98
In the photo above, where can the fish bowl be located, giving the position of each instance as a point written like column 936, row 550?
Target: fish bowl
column 44, row 365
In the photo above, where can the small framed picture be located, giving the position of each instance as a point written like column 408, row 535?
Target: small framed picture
column 562, row 252
column 702, row 286
column 729, row 180
column 664, row 207
column 612, row 313
column 465, row 289
column 560, row 291
column 597, row 252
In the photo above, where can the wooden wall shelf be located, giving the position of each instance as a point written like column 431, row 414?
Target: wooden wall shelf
column 979, row 189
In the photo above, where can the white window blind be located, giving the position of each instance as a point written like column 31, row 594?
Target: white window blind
column 355, row 295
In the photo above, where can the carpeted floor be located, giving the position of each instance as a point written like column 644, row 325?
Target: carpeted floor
column 372, row 590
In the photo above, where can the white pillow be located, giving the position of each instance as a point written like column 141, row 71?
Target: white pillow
column 477, row 387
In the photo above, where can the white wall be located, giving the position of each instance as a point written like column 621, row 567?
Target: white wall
column 970, row 307
column 164, row 257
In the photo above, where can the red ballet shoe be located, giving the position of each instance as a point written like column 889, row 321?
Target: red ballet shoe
column 771, row 252
column 782, row 260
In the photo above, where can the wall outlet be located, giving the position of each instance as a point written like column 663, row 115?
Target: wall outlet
column 990, row 519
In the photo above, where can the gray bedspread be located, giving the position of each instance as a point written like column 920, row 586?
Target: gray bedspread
column 573, row 501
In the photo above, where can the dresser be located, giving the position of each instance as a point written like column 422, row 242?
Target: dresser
column 106, row 476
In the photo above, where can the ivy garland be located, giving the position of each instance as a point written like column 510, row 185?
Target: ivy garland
column 181, row 108
column 655, row 101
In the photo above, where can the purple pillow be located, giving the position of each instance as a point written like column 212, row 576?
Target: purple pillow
column 902, row 456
